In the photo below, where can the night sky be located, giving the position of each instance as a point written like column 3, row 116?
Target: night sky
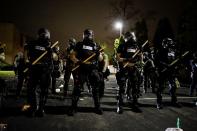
column 68, row 18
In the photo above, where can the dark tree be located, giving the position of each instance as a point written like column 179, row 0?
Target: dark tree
column 187, row 37
column 124, row 9
column 187, row 28
column 164, row 29
column 141, row 31
column 133, row 17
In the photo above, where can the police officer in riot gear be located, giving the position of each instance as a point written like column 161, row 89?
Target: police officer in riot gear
column 82, row 51
column 19, row 65
column 104, row 71
column 40, row 73
column 150, row 76
column 125, row 52
column 2, row 59
column 2, row 52
column 69, row 64
column 103, row 65
column 164, row 57
column 56, row 68
column 117, row 42
column 193, row 64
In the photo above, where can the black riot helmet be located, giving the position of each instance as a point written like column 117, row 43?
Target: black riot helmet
column 130, row 36
column 88, row 34
column 43, row 33
column 56, row 49
column 195, row 55
column 145, row 56
column 168, row 43
column 71, row 41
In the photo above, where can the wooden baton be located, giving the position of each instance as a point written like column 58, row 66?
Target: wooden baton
column 90, row 57
column 136, row 53
column 41, row 56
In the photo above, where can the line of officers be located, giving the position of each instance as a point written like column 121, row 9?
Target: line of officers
column 87, row 55
column 92, row 64
column 151, row 67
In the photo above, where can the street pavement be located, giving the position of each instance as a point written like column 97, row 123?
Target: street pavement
column 12, row 118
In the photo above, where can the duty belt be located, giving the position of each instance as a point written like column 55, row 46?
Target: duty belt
column 90, row 63
column 42, row 64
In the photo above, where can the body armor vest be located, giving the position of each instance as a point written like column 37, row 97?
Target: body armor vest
column 85, row 49
column 36, row 49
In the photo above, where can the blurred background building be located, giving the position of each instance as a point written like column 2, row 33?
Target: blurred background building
column 14, row 40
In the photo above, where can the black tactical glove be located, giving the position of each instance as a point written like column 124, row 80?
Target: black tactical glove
column 97, row 53
column 49, row 49
column 28, row 64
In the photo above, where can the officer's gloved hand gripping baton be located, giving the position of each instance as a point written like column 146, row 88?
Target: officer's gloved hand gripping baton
column 136, row 53
column 175, row 61
column 40, row 57
column 87, row 59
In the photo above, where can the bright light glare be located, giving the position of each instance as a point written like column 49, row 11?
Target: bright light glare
column 118, row 25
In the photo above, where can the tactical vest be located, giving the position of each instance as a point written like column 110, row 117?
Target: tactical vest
column 194, row 66
column 1, row 50
column 36, row 49
column 128, row 51
column 85, row 49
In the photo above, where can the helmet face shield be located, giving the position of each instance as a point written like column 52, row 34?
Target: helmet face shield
column 168, row 43
column 195, row 55
column 57, row 49
column 129, row 35
column 145, row 55
column 43, row 33
column 165, row 45
column 71, row 41
column 88, row 34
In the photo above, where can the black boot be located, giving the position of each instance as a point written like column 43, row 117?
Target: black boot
column 98, row 111
column 120, row 98
column 135, row 106
column 175, row 104
column 119, row 110
column 73, row 108
column 40, row 113
column 30, row 112
column 72, row 111
column 159, row 106
column 159, row 99
column 65, row 89
column 119, row 105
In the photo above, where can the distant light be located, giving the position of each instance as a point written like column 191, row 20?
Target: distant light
column 57, row 90
column 25, row 107
column 118, row 25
